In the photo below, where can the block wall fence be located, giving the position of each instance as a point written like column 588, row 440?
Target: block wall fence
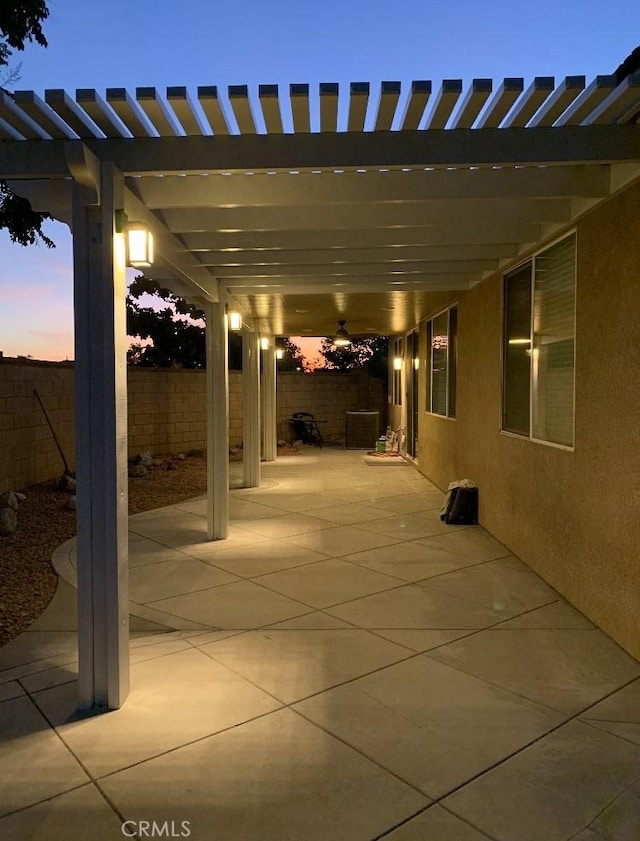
column 167, row 411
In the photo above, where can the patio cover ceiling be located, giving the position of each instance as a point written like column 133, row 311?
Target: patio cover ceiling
column 315, row 206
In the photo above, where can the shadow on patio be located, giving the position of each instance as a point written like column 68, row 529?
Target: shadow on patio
column 341, row 662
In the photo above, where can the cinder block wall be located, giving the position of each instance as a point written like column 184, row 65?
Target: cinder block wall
column 167, row 411
column 27, row 451
column 328, row 395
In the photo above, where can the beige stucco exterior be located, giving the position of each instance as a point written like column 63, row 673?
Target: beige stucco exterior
column 573, row 516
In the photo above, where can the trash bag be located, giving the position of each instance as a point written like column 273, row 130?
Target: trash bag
column 461, row 503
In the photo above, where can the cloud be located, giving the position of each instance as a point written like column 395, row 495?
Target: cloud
column 58, row 337
column 23, row 293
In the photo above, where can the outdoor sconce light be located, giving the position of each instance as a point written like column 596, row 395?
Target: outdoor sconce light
column 139, row 246
column 138, row 240
column 264, row 343
column 341, row 338
column 235, row 320
column 416, row 363
column 397, row 363
column 279, row 353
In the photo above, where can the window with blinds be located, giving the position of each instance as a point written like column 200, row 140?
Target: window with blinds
column 539, row 346
column 442, row 343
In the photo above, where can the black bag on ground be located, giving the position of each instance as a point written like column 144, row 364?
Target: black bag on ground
column 463, row 510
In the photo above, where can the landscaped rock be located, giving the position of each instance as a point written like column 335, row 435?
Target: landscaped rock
column 145, row 459
column 67, row 483
column 137, row 471
column 70, row 503
column 10, row 499
column 180, row 456
column 8, row 520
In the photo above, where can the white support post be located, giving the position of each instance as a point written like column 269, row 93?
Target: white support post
column 217, row 422
column 269, row 427
column 101, row 444
column 251, row 413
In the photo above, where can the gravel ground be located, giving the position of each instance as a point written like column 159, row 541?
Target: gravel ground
column 27, row 580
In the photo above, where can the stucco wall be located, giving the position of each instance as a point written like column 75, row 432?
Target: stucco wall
column 167, row 411
column 574, row 517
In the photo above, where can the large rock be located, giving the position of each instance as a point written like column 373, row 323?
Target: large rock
column 8, row 520
column 137, row 471
column 67, row 483
column 11, row 499
column 145, row 459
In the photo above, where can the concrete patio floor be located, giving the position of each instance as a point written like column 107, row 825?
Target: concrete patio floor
column 343, row 668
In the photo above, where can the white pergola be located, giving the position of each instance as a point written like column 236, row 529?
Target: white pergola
column 298, row 210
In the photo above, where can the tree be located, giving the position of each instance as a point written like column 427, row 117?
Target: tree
column 293, row 360
column 177, row 337
column 20, row 22
column 23, row 223
column 630, row 65
column 176, row 332
column 370, row 353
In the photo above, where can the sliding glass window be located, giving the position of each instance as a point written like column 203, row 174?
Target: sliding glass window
column 539, row 346
column 442, row 347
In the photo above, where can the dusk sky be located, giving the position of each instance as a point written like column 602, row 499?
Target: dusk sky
column 143, row 43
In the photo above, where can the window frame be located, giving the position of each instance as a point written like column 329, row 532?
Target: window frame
column 396, row 375
column 428, row 391
column 516, row 267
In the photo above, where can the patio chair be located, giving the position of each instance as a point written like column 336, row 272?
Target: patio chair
column 306, row 429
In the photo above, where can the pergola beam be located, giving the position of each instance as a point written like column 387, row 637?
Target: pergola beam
column 364, row 215
column 307, row 257
column 463, row 148
column 481, row 234
column 366, row 286
column 344, row 269
column 371, row 187
column 541, row 146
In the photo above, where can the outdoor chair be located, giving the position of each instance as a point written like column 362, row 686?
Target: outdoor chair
column 305, row 428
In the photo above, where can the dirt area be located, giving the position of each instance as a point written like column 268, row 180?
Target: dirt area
column 27, row 580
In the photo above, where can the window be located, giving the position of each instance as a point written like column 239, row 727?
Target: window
column 442, row 351
column 538, row 346
column 396, row 385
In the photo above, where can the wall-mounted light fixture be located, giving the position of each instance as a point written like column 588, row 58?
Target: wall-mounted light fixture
column 264, row 343
column 341, row 338
column 416, row 363
column 138, row 240
column 139, row 245
column 279, row 353
column 235, row 320
column 397, row 363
